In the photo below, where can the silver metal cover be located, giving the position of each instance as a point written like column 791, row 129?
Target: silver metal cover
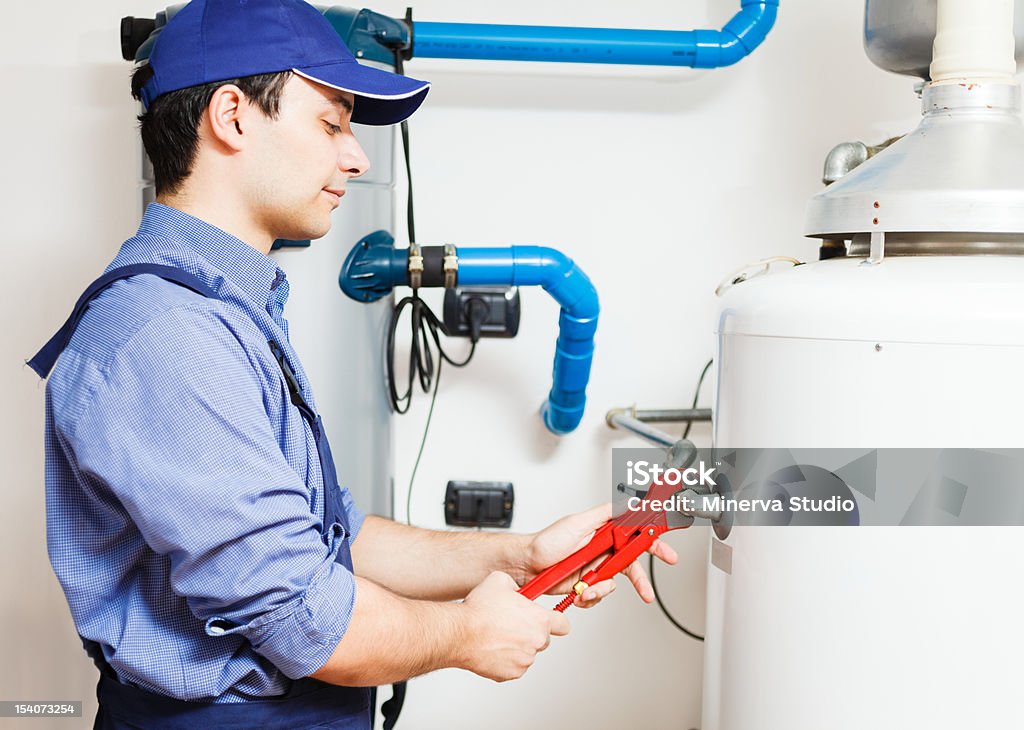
column 961, row 170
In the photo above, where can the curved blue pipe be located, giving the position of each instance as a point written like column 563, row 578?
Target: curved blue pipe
column 374, row 267
column 577, row 322
column 693, row 48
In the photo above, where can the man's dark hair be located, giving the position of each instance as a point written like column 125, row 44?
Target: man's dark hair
column 170, row 126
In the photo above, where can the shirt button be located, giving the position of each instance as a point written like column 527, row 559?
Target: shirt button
column 218, row 626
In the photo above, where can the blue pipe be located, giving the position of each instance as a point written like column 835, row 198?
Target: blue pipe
column 374, row 267
column 577, row 322
column 693, row 48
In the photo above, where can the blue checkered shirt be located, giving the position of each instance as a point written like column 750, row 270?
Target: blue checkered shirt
column 184, row 493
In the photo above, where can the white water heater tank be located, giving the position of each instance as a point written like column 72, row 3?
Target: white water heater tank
column 872, row 627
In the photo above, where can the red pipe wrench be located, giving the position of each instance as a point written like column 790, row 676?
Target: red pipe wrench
column 625, row 537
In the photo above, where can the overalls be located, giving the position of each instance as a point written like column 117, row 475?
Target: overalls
column 309, row 704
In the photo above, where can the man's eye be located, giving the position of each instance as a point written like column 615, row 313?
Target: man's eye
column 332, row 129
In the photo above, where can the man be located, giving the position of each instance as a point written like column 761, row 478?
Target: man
column 216, row 571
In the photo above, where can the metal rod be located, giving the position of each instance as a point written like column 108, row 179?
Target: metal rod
column 620, row 419
column 672, row 415
column 702, row 505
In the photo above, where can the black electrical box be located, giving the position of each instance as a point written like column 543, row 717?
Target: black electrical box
column 479, row 504
column 500, row 307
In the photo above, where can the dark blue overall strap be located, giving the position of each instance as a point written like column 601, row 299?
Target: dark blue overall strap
column 44, row 360
column 334, row 508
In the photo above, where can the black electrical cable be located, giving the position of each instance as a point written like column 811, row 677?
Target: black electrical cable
column 423, row 321
column 661, row 605
column 409, row 217
column 423, row 442
column 650, row 558
column 424, row 326
column 696, row 396
column 421, row 364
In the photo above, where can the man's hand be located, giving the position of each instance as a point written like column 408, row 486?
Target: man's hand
column 568, row 535
column 505, row 631
column 495, row 632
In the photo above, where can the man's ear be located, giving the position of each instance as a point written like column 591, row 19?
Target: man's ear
column 226, row 115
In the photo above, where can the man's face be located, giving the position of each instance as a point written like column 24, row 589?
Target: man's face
column 300, row 162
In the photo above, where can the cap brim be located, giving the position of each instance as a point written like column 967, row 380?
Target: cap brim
column 382, row 97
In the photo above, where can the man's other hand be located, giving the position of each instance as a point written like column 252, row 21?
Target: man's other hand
column 505, row 631
column 569, row 534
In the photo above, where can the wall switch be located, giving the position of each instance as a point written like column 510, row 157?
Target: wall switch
column 479, row 504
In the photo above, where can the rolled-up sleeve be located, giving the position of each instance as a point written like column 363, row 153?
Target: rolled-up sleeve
column 179, row 432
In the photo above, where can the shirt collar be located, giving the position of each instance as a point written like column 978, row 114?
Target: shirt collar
column 253, row 272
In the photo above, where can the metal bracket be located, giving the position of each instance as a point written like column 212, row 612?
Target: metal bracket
column 415, row 266
column 450, row 265
column 877, row 252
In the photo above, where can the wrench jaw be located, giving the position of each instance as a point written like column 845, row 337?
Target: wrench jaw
column 679, row 520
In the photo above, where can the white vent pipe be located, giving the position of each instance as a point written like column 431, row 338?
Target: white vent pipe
column 974, row 41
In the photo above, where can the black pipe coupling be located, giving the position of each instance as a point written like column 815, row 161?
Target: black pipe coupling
column 433, row 266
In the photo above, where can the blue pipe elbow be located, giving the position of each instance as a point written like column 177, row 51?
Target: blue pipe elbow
column 695, row 48
column 740, row 36
column 577, row 323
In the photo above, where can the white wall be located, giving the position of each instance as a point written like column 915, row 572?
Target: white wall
column 657, row 183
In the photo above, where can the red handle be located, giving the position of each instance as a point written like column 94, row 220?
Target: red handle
column 627, row 543
column 600, row 543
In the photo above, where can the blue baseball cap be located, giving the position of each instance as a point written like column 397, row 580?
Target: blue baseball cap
column 218, row 40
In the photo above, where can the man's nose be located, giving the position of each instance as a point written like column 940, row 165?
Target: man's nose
column 352, row 160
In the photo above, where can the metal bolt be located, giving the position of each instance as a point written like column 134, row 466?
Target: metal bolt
column 878, row 348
